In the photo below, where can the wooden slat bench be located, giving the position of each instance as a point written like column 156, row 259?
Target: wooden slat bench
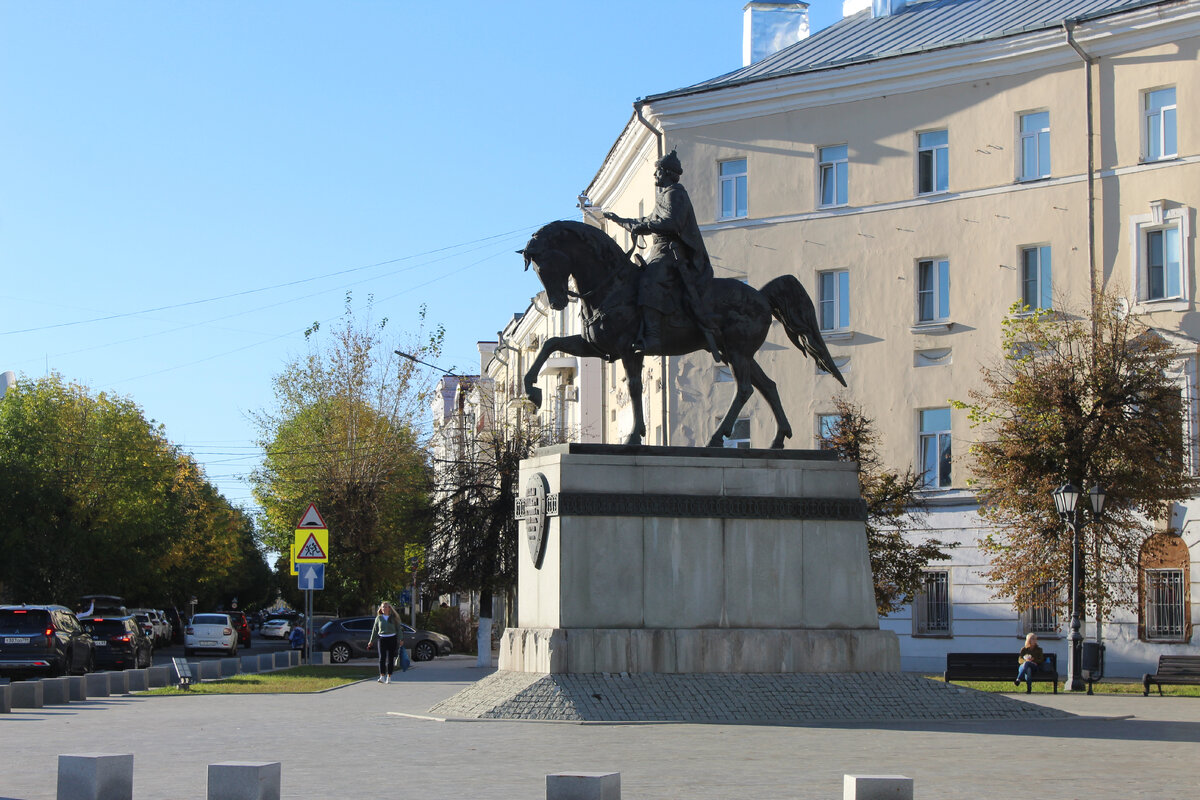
column 1172, row 669
column 997, row 666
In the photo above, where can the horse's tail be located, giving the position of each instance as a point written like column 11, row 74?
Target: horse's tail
column 792, row 306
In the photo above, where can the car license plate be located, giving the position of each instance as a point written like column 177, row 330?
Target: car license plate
column 100, row 644
column 208, row 644
column 16, row 640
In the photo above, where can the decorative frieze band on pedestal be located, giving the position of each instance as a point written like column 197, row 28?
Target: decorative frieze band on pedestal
column 609, row 504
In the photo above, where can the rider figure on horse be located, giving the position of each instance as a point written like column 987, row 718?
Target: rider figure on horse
column 676, row 248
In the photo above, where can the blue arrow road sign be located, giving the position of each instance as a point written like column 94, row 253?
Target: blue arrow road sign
column 312, row 577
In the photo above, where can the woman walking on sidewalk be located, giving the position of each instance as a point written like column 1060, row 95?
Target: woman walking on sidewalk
column 387, row 631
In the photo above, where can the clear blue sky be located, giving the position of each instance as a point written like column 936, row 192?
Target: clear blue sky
column 186, row 186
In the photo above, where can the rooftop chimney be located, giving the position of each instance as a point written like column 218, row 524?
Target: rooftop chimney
column 767, row 28
column 7, row 379
column 886, row 8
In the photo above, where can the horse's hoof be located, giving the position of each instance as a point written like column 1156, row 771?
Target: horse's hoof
column 716, row 441
column 633, row 441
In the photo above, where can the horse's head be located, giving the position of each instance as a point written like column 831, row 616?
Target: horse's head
column 550, row 264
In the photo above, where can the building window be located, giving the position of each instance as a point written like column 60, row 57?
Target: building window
column 826, row 429
column 733, row 188
column 834, row 169
column 1164, row 605
column 933, row 290
column 740, row 438
column 1041, row 617
column 933, row 162
column 931, row 607
column 935, row 447
column 1164, row 264
column 1035, row 145
column 1158, row 126
column 1036, row 277
column 834, row 300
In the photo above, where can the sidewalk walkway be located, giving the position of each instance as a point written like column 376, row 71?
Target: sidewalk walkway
column 346, row 744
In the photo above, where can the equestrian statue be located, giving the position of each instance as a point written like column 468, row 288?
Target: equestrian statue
column 668, row 304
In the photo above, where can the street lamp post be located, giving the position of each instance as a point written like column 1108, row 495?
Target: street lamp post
column 1066, row 497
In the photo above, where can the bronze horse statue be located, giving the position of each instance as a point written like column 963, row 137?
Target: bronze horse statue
column 607, row 283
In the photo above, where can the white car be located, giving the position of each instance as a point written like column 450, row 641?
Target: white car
column 276, row 628
column 210, row 632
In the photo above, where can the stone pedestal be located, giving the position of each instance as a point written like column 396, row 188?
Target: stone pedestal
column 693, row 560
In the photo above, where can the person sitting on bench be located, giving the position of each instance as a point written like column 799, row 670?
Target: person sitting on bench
column 1029, row 660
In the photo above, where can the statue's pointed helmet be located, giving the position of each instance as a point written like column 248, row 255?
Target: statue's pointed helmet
column 670, row 162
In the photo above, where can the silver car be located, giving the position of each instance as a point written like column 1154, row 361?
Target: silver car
column 346, row 638
column 210, row 632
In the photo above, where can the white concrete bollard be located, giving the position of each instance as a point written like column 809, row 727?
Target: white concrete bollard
column 230, row 667
column 138, row 679
column 583, row 786
column 95, row 776
column 97, row 684
column 26, row 694
column 250, row 663
column 283, row 659
column 161, row 676
column 118, row 682
column 877, row 787
column 5, row 698
column 266, row 662
column 78, row 687
column 319, row 658
column 209, row 670
column 56, row 691
column 244, row 780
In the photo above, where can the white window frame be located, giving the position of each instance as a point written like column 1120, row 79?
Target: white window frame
column 1174, row 628
column 734, row 186
column 1167, row 117
column 931, row 609
column 1045, row 276
column 836, row 168
column 833, row 311
column 740, row 440
column 939, row 269
column 935, row 438
column 825, row 426
column 937, row 156
column 1140, row 227
column 1039, row 140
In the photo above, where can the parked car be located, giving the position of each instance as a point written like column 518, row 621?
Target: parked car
column 346, row 638
column 42, row 640
column 177, row 624
column 276, row 628
column 119, row 642
column 159, row 629
column 143, row 619
column 242, row 626
column 210, row 632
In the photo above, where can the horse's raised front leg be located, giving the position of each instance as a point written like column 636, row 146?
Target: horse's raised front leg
column 766, row 387
column 741, row 372
column 571, row 345
column 633, row 375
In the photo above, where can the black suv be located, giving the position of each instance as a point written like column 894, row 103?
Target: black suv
column 119, row 642
column 42, row 640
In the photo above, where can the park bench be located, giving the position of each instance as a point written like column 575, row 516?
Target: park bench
column 1172, row 669
column 997, row 666
column 183, row 673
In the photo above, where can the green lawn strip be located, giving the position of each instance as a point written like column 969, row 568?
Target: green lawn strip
column 297, row 680
column 1100, row 687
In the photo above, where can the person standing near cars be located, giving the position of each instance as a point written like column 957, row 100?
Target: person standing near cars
column 387, row 631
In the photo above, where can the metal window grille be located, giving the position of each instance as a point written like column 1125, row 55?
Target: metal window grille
column 1164, row 604
column 1042, row 615
column 931, row 611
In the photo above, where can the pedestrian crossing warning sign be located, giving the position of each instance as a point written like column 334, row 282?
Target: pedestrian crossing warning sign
column 312, row 545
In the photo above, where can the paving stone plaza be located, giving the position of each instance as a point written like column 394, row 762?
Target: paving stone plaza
column 370, row 740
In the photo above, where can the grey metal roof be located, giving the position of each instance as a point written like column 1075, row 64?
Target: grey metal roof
column 924, row 25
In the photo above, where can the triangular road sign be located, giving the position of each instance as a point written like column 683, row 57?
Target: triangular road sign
column 312, row 518
column 311, row 549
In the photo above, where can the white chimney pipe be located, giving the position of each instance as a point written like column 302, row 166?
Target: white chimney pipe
column 767, row 28
column 7, row 379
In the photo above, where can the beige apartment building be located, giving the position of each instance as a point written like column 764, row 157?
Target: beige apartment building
column 921, row 167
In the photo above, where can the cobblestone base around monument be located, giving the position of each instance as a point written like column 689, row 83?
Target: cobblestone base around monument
column 723, row 698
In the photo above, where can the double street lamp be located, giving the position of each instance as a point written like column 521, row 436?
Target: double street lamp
column 1065, row 499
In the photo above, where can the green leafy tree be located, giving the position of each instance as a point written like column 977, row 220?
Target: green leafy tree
column 342, row 436
column 1084, row 396
column 98, row 500
column 895, row 508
